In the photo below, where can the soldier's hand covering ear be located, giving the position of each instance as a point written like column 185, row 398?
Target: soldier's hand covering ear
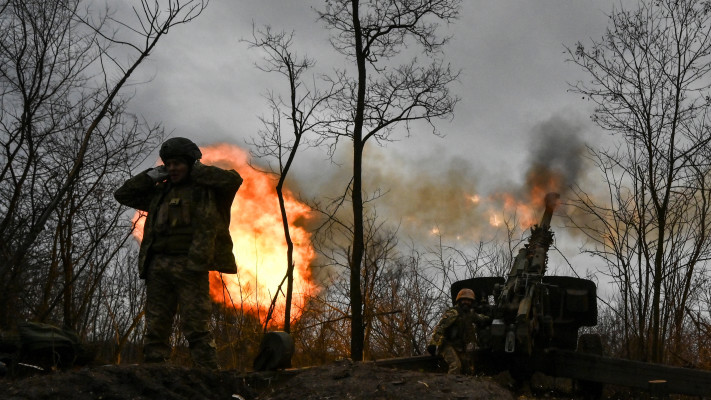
column 158, row 174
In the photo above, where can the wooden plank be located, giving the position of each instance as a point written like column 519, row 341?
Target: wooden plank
column 424, row 363
column 629, row 373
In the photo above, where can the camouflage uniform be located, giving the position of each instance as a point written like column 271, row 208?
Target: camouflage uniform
column 169, row 284
column 209, row 209
column 455, row 338
column 185, row 236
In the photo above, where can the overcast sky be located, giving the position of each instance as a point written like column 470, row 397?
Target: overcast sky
column 513, row 89
column 511, row 55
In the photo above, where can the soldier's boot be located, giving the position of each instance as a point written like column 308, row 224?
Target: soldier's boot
column 204, row 352
column 468, row 368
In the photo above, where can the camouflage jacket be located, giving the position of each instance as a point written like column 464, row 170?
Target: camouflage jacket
column 457, row 328
column 214, row 190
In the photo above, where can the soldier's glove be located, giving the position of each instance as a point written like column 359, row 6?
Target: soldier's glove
column 432, row 349
column 158, row 174
column 470, row 347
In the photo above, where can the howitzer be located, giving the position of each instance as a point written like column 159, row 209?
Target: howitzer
column 534, row 328
column 530, row 311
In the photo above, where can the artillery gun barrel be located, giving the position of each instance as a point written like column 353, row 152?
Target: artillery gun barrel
column 551, row 201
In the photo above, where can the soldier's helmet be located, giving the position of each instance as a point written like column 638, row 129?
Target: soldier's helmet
column 179, row 147
column 465, row 294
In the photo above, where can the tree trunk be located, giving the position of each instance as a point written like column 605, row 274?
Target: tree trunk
column 289, row 257
column 357, row 333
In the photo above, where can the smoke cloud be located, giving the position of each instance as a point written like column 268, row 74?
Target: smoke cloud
column 428, row 197
column 556, row 155
column 457, row 199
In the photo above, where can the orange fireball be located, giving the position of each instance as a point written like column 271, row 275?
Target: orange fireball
column 259, row 244
column 527, row 205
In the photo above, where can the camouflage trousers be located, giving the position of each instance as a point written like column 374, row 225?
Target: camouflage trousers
column 458, row 362
column 170, row 287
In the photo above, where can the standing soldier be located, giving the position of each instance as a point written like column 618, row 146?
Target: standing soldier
column 186, row 235
column 454, row 336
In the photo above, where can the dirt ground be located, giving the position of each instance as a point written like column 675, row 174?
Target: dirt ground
column 339, row 380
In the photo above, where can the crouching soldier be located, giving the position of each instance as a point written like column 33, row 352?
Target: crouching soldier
column 186, row 235
column 454, row 336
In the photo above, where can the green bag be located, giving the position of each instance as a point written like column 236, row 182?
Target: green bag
column 48, row 344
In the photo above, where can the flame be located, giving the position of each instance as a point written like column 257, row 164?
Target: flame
column 258, row 241
column 528, row 204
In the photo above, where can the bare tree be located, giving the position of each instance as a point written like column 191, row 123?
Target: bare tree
column 64, row 133
column 303, row 110
column 370, row 32
column 649, row 80
column 404, row 294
